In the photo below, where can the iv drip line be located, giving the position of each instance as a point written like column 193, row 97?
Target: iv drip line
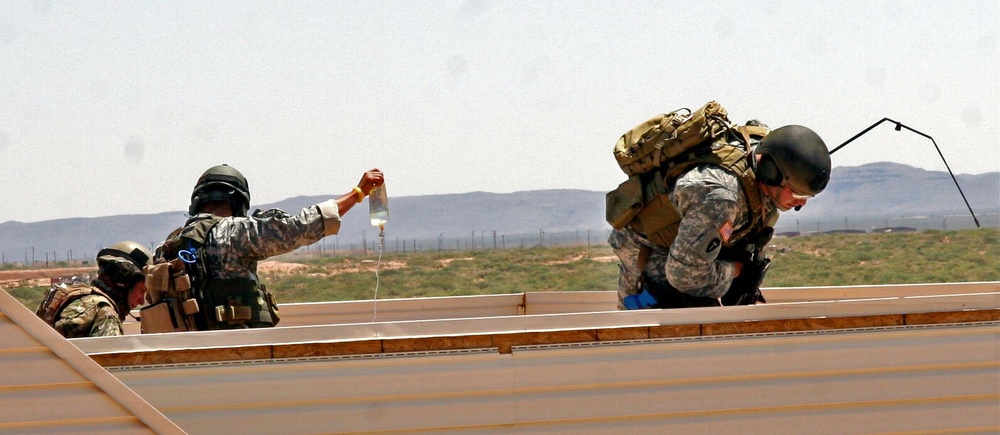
column 381, row 248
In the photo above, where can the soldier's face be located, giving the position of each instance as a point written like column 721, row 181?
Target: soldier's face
column 137, row 296
column 787, row 199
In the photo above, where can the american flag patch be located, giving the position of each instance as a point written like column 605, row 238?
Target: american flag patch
column 726, row 231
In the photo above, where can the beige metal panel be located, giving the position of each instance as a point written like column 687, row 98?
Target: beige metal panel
column 807, row 294
column 943, row 378
column 534, row 323
column 393, row 310
column 49, row 386
column 390, row 310
column 570, row 302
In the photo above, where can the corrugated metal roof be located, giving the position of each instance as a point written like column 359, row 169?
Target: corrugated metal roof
column 867, row 359
column 49, row 386
column 913, row 359
column 934, row 379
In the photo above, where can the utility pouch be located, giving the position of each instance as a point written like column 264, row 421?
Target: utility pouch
column 232, row 314
column 167, row 315
column 190, row 307
column 272, row 306
column 623, row 203
column 658, row 220
column 158, row 277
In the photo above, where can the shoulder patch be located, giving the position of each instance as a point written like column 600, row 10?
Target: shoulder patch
column 713, row 245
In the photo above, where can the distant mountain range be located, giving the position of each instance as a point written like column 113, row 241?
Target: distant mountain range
column 862, row 197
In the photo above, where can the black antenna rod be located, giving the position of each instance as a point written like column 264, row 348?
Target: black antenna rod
column 899, row 127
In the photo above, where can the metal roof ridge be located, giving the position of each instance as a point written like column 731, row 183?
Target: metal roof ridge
column 85, row 366
column 503, row 332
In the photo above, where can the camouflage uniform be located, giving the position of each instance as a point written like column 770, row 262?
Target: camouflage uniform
column 235, row 244
column 92, row 315
column 709, row 198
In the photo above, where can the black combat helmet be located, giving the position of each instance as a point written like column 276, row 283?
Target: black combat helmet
column 221, row 183
column 796, row 156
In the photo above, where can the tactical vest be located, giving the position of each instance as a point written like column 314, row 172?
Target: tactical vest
column 59, row 296
column 643, row 201
column 215, row 303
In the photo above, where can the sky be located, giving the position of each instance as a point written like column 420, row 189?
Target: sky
column 117, row 107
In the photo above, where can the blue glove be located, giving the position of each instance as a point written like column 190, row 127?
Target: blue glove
column 639, row 300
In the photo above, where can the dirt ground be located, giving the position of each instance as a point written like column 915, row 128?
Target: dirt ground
column 40, row 277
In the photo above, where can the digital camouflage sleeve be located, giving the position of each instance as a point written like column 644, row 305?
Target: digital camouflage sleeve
column 708, row 198
column 236, row 244
column 89, row 316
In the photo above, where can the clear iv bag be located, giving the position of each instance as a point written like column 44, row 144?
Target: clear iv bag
column 378, row 207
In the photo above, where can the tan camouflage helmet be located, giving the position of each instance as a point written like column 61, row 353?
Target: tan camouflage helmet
column 128, row 257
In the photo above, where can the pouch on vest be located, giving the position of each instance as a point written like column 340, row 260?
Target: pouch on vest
column 272, row 306
column 237, row 301
column 623, row 203
column 171, row 308
column 658, row 220
column 168, row 315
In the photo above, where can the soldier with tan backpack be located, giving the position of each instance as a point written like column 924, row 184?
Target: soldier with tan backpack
column 97, row 308
column 691, row 222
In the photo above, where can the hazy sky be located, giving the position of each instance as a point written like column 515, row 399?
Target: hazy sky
column 116, row 107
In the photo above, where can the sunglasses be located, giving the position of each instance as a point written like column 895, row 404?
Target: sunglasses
column 795, row 194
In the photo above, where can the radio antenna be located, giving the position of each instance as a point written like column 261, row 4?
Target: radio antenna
column 899, row 127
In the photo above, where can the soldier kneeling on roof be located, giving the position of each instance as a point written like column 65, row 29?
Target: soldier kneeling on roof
column 97, row 309
column 691, row 226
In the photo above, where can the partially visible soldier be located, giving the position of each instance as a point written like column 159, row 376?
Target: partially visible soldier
column 728, row 210
column 220, row 245
column 98, row 309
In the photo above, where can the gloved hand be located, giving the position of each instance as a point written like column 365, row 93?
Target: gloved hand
column 639, row 300
column 745, row 289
